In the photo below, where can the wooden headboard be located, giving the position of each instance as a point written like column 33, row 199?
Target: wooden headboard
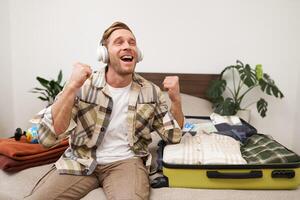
column 192, row 84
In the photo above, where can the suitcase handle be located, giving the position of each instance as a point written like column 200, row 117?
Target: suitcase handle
column 251, row 174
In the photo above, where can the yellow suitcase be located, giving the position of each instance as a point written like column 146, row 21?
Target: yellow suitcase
column 236, row 176
column 280, row 176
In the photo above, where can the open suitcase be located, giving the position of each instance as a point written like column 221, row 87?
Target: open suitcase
column 229, row 176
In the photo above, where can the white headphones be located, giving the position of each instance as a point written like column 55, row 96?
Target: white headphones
column 102, row 54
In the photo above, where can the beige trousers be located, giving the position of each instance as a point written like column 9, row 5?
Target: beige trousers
column 126, row 179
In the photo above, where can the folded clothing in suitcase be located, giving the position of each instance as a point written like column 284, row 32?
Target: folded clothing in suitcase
column 229, row 159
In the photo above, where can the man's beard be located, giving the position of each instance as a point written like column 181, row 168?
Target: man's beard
column 119, row 70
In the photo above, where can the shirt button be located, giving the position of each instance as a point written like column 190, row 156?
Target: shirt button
column 102, row 129
column 85, row 171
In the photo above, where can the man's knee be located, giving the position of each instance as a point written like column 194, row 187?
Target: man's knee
column 129, row 180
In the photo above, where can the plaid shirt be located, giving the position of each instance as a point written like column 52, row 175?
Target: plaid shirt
column 260, row 149
column 147, row 112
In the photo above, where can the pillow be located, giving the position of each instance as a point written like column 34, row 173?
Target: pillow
column 191, row 105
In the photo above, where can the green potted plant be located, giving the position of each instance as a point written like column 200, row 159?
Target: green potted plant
column 227, row 98
column 50, row 88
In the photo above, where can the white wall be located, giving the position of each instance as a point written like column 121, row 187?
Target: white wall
column 296, row 138
column 6, row 104
column 197, row 36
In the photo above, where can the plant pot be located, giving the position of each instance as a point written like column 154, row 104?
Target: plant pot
column 244, row 114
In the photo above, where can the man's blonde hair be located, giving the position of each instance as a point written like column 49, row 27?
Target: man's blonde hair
column 111, row 29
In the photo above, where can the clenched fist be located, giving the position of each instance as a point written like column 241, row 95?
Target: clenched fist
column 171, row 83
column 81, row 72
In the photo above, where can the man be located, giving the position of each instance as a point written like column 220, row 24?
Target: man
column 108, row 116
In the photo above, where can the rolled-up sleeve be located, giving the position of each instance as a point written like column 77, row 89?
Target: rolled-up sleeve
column 164, row 123
column 47, row 136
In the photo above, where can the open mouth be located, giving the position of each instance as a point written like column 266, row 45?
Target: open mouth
column 126, row 58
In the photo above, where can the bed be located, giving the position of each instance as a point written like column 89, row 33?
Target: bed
column 193, row 86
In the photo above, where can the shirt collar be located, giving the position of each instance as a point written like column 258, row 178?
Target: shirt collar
column 99, row 81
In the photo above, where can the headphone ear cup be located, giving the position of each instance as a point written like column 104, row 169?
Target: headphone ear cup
column 102, row 54
column 140, row 55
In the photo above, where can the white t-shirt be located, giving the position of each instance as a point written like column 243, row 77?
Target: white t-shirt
column 115, row 145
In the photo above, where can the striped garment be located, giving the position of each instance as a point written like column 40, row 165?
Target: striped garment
column 147, row 112
column 205, row 149
column 260, row 149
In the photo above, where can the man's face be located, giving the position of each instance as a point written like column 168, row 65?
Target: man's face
column 122, row 51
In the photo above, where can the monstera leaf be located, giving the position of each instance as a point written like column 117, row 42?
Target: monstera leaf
column 247, row 75
column 228, row 68
column 216, row 89
column 268, row 86
column 262, row 107
column 226, row 107
column 248, row 79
